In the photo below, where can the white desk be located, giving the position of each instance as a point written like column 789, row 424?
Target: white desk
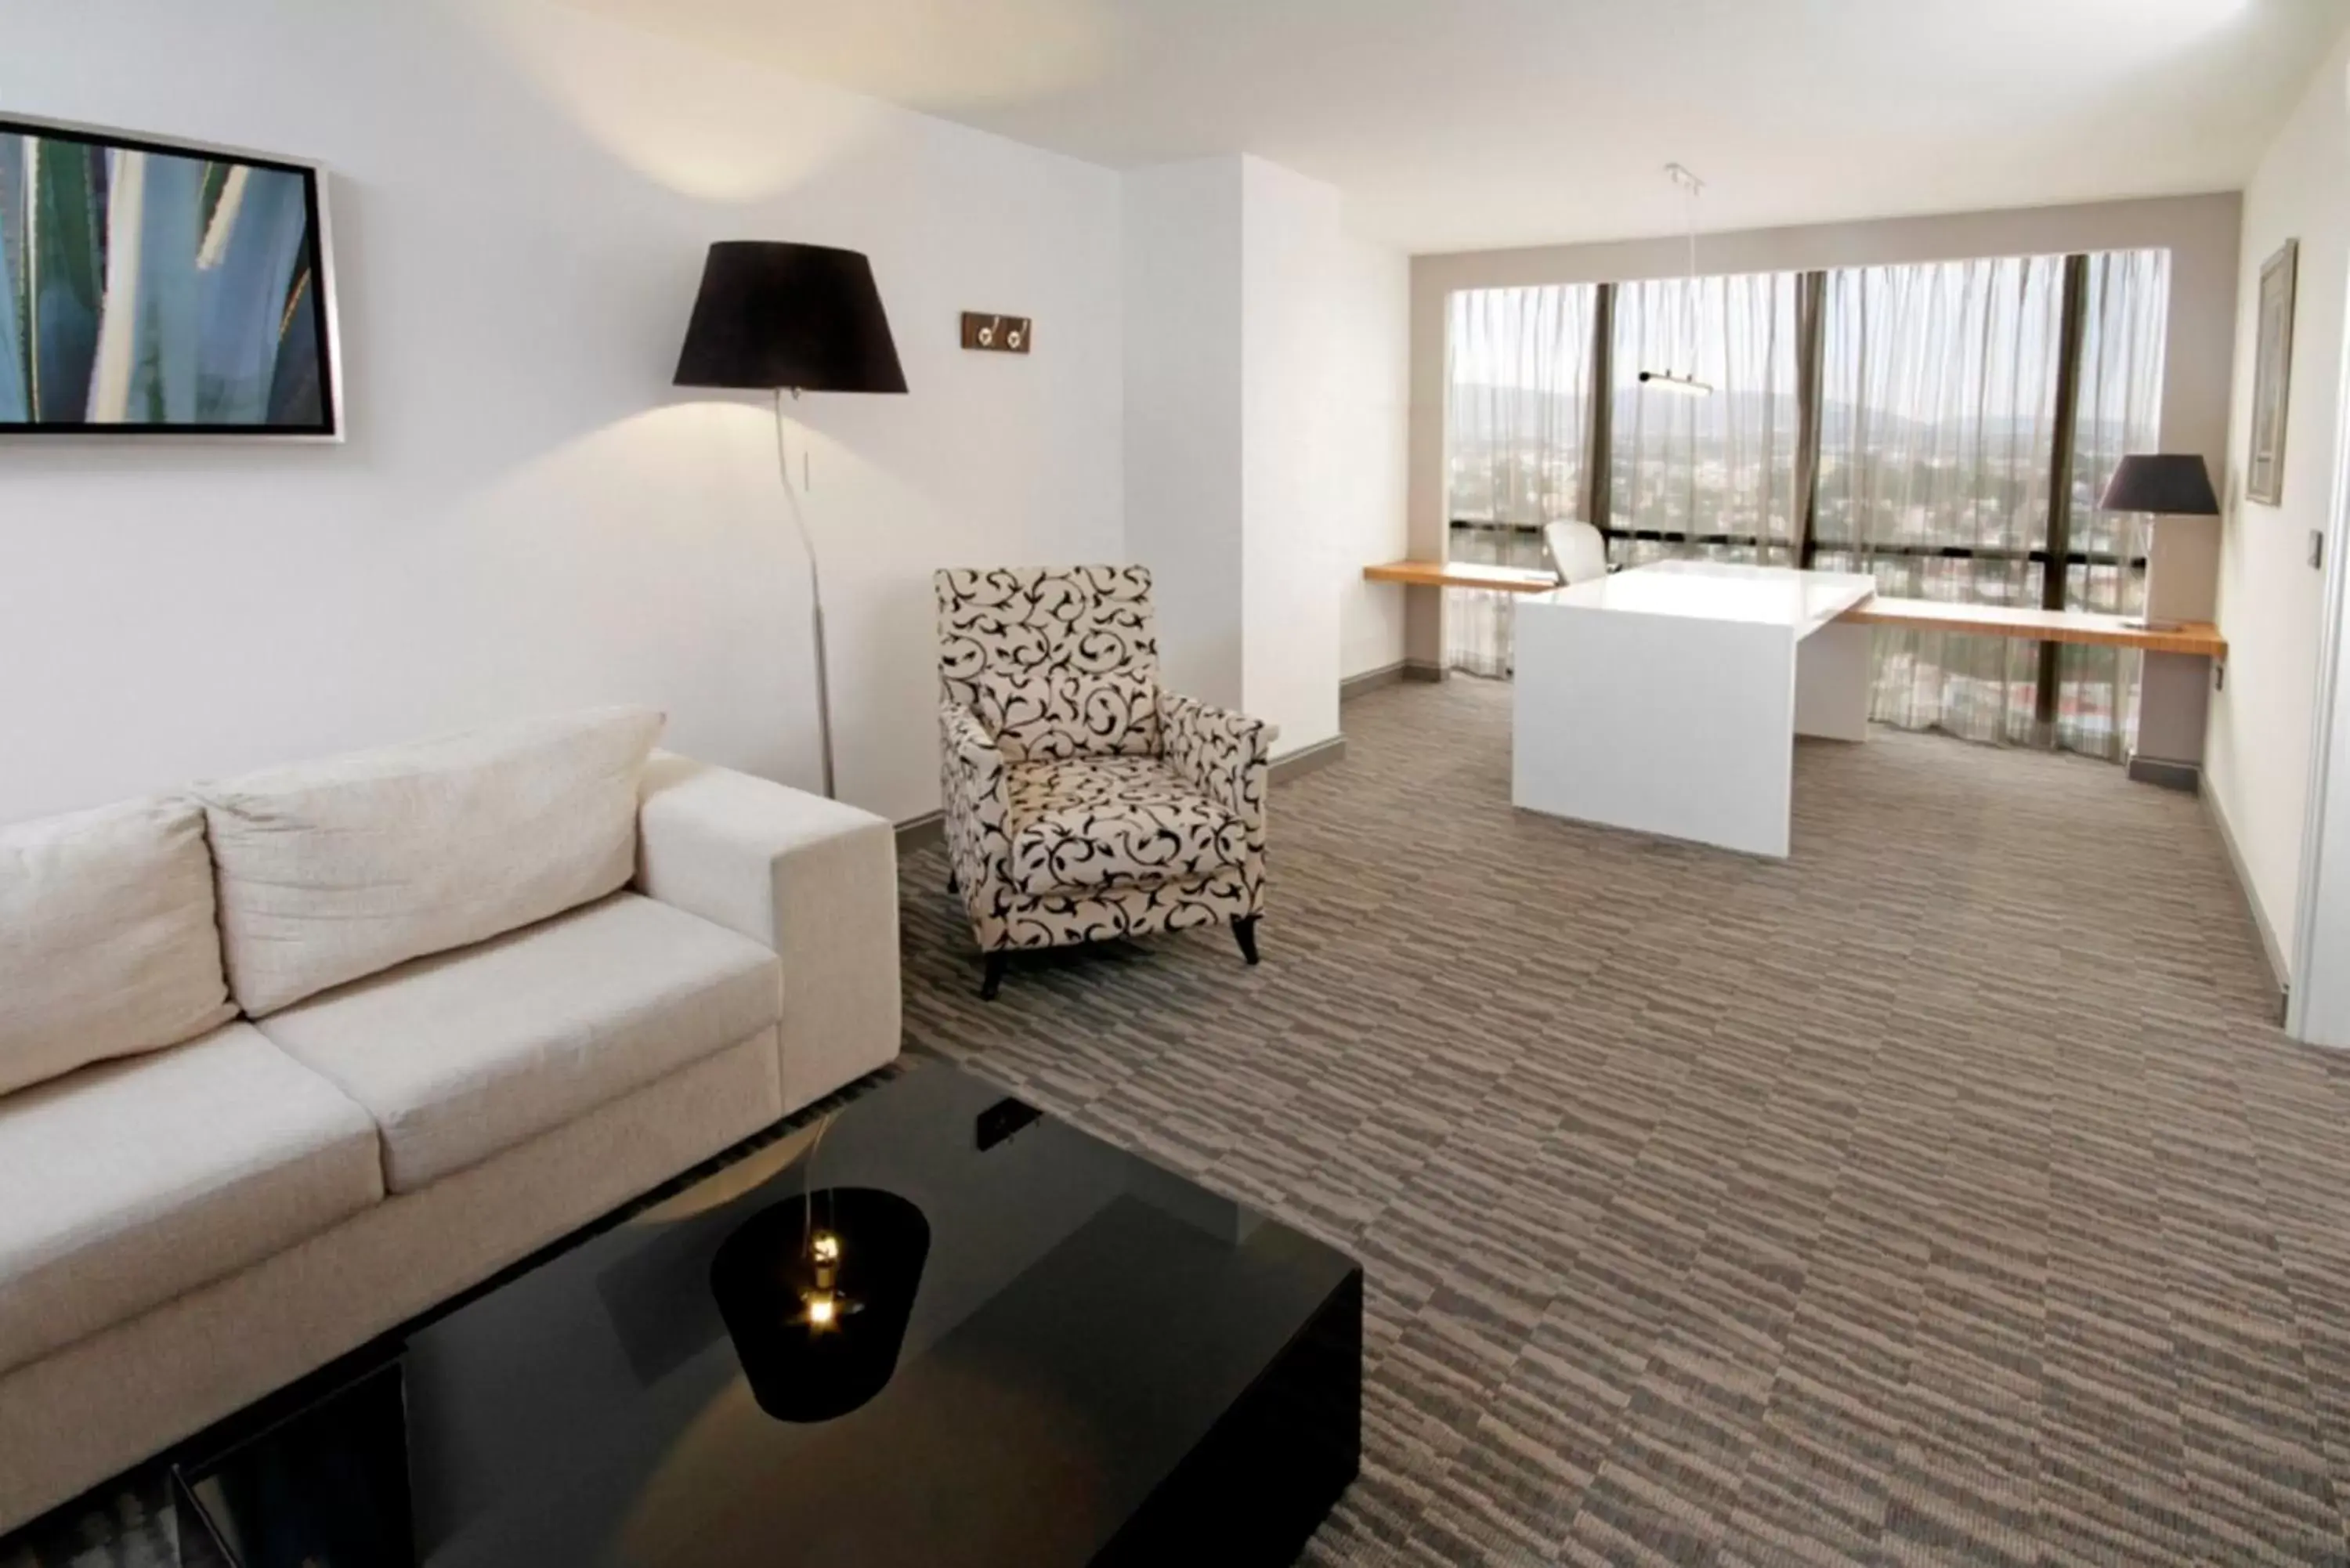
column 1668, row 699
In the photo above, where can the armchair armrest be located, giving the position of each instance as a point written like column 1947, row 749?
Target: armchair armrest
column 813, row 881
column 1222, row 753
column 975, row 783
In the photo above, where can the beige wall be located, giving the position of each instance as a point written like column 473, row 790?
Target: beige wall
column 2202, row 234
column 2271, row 601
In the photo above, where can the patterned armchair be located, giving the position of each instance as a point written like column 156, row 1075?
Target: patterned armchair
column 1082, row 801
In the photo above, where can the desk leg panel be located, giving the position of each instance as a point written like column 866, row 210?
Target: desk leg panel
column 1832, row 681
column 1672, row 725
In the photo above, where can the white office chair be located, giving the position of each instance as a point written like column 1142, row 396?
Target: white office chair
column 1578, row 552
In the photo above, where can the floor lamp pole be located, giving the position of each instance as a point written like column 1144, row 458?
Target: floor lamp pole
column 816, row 598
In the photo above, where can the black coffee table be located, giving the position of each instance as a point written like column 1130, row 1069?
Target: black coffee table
column 1042, row 1350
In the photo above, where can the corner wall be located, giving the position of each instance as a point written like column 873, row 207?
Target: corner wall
column 2273, row 606
column 1265, row 435
column 527, row 516
column 1184, row 421
column 1370, row 470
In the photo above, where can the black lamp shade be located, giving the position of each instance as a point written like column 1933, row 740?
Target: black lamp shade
column 772, row 315
column 2172, row 485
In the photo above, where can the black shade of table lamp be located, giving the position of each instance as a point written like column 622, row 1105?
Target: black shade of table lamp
column 783, row 317
column 2168, row 485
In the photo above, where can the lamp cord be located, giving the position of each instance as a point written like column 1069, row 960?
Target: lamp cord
column 1691, row 185
column 815, row 592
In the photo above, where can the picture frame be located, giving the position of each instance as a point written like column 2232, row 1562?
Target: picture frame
column 2272, row 376
column 155, row 290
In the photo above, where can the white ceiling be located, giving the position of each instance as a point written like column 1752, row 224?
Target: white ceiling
column 1460, row 124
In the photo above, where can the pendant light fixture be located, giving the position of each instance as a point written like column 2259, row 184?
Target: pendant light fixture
column 1688, row 386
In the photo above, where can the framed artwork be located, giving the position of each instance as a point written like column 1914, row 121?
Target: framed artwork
column 153, row 289
column 2272, row 378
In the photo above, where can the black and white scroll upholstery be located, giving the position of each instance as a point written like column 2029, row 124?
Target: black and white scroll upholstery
column 1083, row 801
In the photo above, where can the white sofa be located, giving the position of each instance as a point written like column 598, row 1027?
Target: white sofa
column 556, row 983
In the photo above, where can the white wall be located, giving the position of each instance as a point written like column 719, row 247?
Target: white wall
column 2257, row 750
column 1183, row 415
column 1289, row 586
column 1265, row 389
column 527, row 516
column 1371, row 289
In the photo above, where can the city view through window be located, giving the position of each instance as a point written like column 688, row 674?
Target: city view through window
column 1937, row 400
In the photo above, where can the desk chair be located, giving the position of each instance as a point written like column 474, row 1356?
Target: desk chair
column 1577, row 551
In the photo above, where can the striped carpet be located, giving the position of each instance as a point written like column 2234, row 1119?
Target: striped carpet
column 1940, row 1195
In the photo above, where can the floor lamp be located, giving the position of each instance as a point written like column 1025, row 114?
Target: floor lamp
column 792, row 318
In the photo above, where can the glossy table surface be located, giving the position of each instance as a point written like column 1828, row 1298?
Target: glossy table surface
column 1078, row 1320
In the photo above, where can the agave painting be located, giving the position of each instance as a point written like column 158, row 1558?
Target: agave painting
column 148, row 288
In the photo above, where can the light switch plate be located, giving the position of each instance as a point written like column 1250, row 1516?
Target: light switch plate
column 991, row 334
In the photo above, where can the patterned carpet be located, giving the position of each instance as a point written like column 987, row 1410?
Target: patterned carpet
column 1942, row 1195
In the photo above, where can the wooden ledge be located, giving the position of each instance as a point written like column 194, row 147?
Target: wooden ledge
column 2200, row 638
column 1461, row 574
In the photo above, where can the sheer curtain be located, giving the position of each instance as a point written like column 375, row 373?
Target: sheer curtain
column 1937, row 422
column 1704, row 468
column 1516, row 410
column 2120, row 411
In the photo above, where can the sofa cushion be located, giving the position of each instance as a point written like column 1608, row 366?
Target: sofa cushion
column 336, row 869
column 1092, row 821
column 130, row 1183
column 463, row 1054
column 1053, row 716
column 108, row 943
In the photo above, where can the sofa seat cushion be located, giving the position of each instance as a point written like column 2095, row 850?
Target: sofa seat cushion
column 132, row 1182
column 464, row 1054
column 1089, row 822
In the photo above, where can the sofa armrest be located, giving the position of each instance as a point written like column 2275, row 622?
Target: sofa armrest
column 813, row 880
column 1221, row 754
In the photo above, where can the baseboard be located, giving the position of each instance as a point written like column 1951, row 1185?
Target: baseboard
column 1321, row 755
column 1370, row 680
column 2279, row 973
column 917, row 833
column 2187, row 777
column 1430, row 673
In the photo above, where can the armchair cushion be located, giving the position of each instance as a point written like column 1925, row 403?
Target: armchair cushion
column 1090, row 822
column 1052, row 715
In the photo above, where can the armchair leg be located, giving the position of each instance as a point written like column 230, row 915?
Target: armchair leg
column 993, row 981
column 953, row 886
column 1244, row 932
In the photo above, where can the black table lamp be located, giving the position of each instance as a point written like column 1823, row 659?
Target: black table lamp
column 2169, row 484
column 2173, row 485
column 795, row 319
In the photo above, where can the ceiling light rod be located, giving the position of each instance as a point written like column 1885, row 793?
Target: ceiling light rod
column 1665, row 380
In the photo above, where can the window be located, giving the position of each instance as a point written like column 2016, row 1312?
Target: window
column 1905, row 421
column 1516, row 417
column 1713, row 476
column 1937, row 426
